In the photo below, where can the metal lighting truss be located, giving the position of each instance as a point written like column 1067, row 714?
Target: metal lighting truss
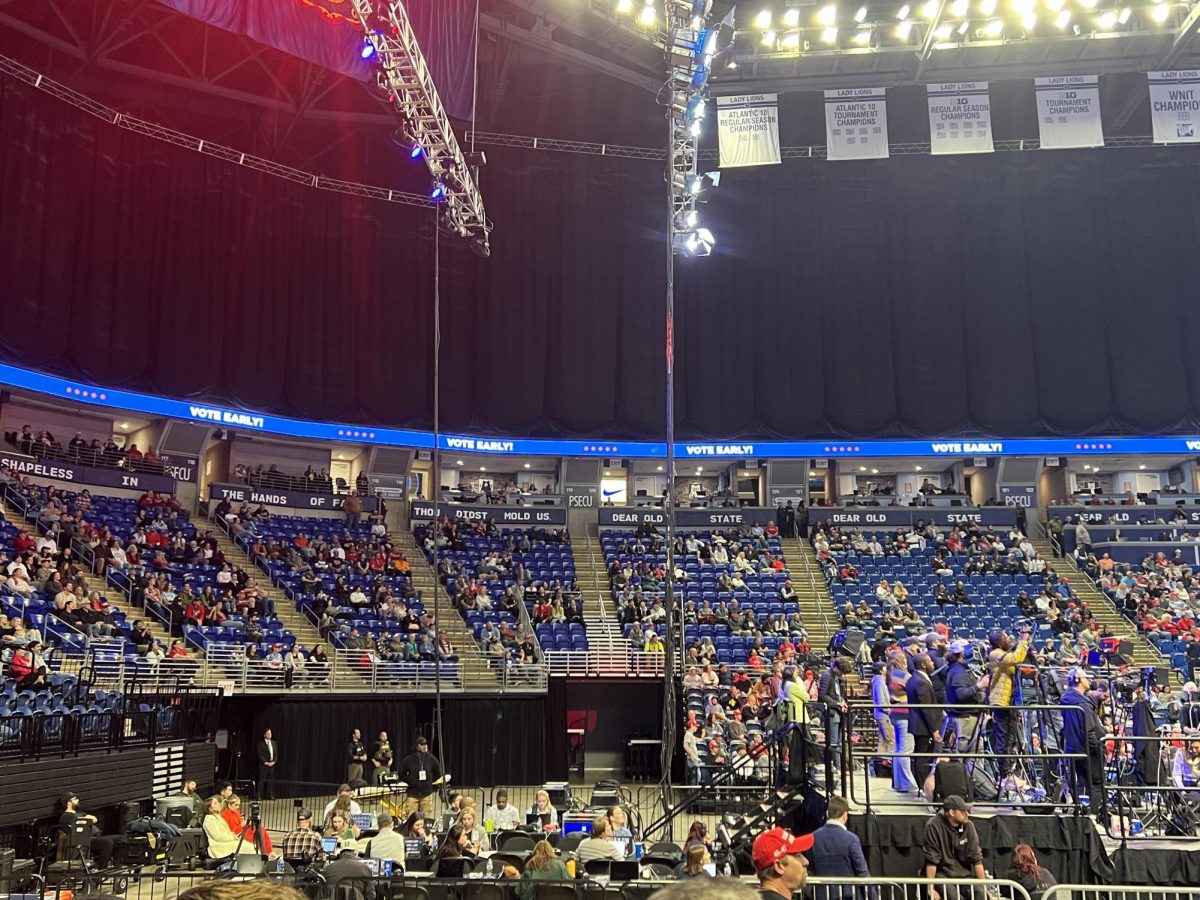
column 406, row 79
column 686, row 33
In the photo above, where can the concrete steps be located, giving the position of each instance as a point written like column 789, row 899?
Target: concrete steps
column 816, row 603
column 285, row 609
column 605, row 635
column 477, row 673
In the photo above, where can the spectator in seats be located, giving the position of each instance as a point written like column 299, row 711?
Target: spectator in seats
column 1083, row 537
column 27, row 667
column 960, row 596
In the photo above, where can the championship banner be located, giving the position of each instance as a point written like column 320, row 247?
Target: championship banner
column 856, row 124
column 1174, row 107
column 1069, row 111
column 748, row 130
column 960, row 118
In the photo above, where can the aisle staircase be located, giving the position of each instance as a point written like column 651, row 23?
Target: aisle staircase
column 609, row 651
column 1106, row 613
column 816, row 603
column 476, row 672
column 285, row 609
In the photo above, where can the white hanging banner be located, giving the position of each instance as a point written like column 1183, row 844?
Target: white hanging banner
column 960, row 118
column 856, row 124
column 1175, row 107
column 1069, row 111
column 748, row 130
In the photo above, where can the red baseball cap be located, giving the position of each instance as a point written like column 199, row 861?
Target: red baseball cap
column 772, row 846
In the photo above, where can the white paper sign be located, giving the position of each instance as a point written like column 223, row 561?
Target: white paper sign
column 1175, row 107
column 748, row 130
column 1069, row 111
column 960, row 118
column 856, row 124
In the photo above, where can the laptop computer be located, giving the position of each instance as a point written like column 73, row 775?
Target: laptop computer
column 329, row 844
column 624, row 870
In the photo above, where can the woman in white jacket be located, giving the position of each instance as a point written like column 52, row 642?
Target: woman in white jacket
column 222, row 842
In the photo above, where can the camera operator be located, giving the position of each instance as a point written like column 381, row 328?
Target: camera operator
column 1003, row 662
column 1083, row 733
column 963, row 695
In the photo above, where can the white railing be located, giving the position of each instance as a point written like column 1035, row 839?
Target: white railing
column 347, row 671
column 596, row 663
column 914, row 888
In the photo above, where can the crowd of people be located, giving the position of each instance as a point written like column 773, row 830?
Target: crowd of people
column 108, row 455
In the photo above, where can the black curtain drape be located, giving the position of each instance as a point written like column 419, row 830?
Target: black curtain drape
column 495, row 742
column 313, row 735
column 1008, row 294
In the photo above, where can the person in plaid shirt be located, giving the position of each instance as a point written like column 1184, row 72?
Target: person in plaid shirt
column 302, row 841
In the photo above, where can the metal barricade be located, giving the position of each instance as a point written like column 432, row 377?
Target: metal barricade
column 818, row 888
column 1119, row 892
column 1036, row 771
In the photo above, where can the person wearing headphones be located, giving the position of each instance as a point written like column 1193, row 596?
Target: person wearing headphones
column 1083, row 733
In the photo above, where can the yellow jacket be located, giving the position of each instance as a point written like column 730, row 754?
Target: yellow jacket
column 1003, row 665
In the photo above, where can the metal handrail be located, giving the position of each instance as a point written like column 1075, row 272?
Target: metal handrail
column 822, row 607
column 1118, row 892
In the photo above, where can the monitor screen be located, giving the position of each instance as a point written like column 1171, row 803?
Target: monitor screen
column 414, row 847
column 329, row 844
column 380, row 868
column 365, row 821
column 581, row 826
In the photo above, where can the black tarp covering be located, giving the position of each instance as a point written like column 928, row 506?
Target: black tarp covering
column 1008, row 294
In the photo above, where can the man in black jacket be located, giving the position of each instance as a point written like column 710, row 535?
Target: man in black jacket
column 924, row 719
column 1083, row 733
column 267, row 753
column 356, row 758
column 831, row 691
column 421, row 772
column 962, row 688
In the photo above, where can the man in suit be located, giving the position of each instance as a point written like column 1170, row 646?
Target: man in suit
column 1083, row 733
column 267, row 752
column 838, row 852
column 924, row 721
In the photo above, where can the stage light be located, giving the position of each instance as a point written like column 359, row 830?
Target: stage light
column 863, row 35
column 624, row 7
column 415, row 151
column 697, row 108
column 660, row 468
column 648, row 17
column 964, row 27
column 874, row 471
column 791, row 41
column 1107, row 20
column 959, row 8
column 862, row 468
column 829, row 35
column 1029, row 21
column 861, row 15
column 458, row 462
column 731, row 65
column 987, row 7
column 1160, row 12
column 768, row 39
column 1063, row 19
column 1126, row 12
column 763, row 20
column 686, row 220
column 791, row 18
column 697, row 243
column 827, row 15
column 904, row 11
column 1090, row 4
column 367, row 50
column 904, row 29
column 695, row 128
column 918, row 468
column 930, row 9
column 700, row 78
column 994, row 28
column 1055, row 5
column 944, row 31
column 438, row 192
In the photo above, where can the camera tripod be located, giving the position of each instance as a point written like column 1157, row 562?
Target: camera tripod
column 253, row 821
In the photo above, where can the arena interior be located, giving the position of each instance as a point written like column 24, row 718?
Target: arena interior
column 595, row 449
